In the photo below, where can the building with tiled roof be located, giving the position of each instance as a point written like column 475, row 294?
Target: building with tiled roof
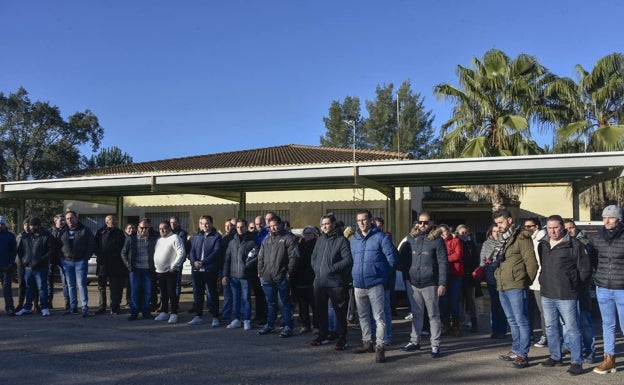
column 287, row 155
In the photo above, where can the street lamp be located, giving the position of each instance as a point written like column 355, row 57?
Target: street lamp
column 352, row 124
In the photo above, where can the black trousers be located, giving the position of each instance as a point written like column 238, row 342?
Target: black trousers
column 305, row 303
column 340, row 301
column 116, row 281
column 168, row 291
column 202, row 280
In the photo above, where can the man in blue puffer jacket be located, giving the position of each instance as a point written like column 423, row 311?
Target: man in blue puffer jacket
column 373, row 254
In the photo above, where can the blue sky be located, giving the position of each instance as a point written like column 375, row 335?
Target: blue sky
column 179, row 78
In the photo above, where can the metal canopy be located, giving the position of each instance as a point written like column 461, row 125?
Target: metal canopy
column 579, row 170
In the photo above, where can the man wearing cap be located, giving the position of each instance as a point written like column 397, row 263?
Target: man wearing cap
column 8, row 247
column 609, row 280
column 35, row 251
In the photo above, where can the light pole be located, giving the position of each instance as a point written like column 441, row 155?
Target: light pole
column 352, row 124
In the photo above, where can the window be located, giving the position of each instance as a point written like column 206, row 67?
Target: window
column 183, row 217
column 348, row 215
column 252, row 214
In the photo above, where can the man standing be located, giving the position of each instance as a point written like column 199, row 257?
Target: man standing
column 332, row 263
column 533, row 226
column 206, row 260
column 138, row 256
column 609, row 280
column 35, row 251
column 517, row 269
column 8, row 249
column 77, row 245
column 236, row 273
column 56, row 231
column 373, row 255
column 565, row 268
column 425, row 262
column 174, row 222
column 109, row 241
column 168, row 258
column 585, row 301
column 277, row 261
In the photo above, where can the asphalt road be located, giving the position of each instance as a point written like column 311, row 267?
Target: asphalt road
column 107, row 349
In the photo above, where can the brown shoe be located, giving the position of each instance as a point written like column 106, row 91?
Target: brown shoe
column 380, row 354
column 367, row 347
column 607, row 365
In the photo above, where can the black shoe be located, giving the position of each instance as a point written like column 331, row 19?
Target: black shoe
column 147, row 316
column 575, row 369
column 100, row 310
column 411, row 347
column 133, row 317
column 115, row 312
column 549, row 363
column 332, row 336
column 71, row 311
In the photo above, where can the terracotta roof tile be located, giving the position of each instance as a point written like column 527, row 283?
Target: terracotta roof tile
column 287, row 155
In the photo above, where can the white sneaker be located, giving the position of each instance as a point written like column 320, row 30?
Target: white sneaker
column 247, row 325
column 173, row 319
column 23, row 311
column 233, row 325
column 161, row 317
column 409, row 317
column 45, row 312
column 215, row 322
column 197, row 320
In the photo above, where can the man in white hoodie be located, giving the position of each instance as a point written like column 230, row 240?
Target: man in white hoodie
column 168, row 258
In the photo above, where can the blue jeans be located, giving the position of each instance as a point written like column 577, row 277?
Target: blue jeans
column 228, row 298
column 515, row 304
column 450, row 304
column 76, row 275
column 36, row 279
column 140, row 291
column 587, row 335
column 498, row 321
column 611, row 303
column 241, row 298
column 568, row 311
column 272, row 291
column 6, row 276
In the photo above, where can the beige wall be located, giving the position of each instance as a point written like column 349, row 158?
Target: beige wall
column 306, row 207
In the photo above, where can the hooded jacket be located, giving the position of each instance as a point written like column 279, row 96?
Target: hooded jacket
column 332, row 260
column 236, row 255
column 425, row 259
column 278, row 256
column 373, row 255
column 566, row 267
column 518, row 268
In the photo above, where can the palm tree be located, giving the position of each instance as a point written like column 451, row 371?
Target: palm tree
column 592, row 116
column 496, row 99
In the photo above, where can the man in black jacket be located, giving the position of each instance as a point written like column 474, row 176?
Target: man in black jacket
column 332, row 263
column 565, row 269
column 609, row 280
column 111, row 270
column 35, row 251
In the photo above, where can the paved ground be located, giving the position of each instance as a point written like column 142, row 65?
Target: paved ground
column 108, row 349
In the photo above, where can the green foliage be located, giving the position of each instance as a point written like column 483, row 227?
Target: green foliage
column 37, row 143
column 413, row 134
column 111, row 156
column 494, row 103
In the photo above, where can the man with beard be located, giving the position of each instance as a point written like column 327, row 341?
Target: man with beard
column 332, row 263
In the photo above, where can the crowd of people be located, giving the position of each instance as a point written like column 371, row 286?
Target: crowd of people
column 336, row 275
